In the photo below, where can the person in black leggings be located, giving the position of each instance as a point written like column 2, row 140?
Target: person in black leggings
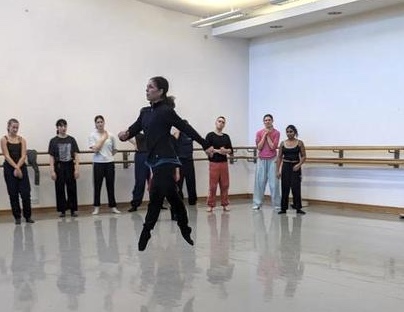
column 291, row 156
column 14, row 149
column 162, row 158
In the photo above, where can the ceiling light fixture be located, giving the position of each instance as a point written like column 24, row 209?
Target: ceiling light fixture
column 211, row 20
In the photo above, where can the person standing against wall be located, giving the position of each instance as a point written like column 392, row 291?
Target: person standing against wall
column 292, row 155
column 64, row 169
column 218, row 166
column 103, row 144
column 267, row 141
column 162, row 157
column 185, row 149
column 14, row 149
column 142, row 171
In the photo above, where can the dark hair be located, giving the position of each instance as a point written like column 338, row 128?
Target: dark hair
column 99, row 117
column 60, row 123
column 11, row 121
column 293, row 128
column 268, row 115
column 162, row 84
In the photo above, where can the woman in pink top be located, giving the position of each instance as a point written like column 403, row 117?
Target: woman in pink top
column 267, row 141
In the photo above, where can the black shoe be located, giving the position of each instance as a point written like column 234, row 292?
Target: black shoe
column 17, row 221
column 132, row 209
column 282, row 211
column 74, row 214
column 192, row 203
column 29, row 220
column 165, row 208
column 143, row 239
column 300, row 211
column 186, row 234
column 62, row 215
column 292, row 206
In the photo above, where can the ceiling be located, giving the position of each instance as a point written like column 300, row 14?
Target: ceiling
column 262, row 18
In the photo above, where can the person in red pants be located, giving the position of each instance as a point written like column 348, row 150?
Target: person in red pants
column 218, row 166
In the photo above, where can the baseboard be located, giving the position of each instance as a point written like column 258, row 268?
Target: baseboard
column 246, row 196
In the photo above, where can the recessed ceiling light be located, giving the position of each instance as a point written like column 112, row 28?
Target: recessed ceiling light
column 334, row 13
column 276, row 26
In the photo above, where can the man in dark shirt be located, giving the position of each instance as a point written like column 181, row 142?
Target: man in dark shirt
column 218, row 167
column 142, row 171
column 185, row 151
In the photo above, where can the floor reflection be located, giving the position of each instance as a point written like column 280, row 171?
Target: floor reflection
column 110, row 274
column 279, row 251
column 291, row 267
column 267, row 244
column 166, row 271
column 71, row 280
column 27, row 267
column 220, row 269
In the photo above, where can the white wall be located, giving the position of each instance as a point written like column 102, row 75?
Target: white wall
column 339, row 84
column 76, row 59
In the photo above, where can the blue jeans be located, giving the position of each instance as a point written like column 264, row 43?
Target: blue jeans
column 265, row 172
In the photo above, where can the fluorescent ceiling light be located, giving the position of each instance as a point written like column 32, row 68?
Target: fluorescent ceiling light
column 218, row 18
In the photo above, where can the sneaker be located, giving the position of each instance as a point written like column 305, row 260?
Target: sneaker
column 281, row 211
column 62, row 215
column 209, row 209
column 96, row 211
column 73, row 214
column 144, row 238
column 300, row 211
column 114, row 210
column 29, row 220
column 134, row 208
column 17, row 221
column 226, row 208
column 255, row 207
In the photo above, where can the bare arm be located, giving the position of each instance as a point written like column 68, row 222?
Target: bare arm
column 97, row 146
column 76, row 165
column 302, row 156
column 279, row 161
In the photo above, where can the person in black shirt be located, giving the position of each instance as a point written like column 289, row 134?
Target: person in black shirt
column 14, row 149
column 218, row 167
column 156, row 123
column 292, row 155
column 64, row 169
column 142, row 171
column 185, row 150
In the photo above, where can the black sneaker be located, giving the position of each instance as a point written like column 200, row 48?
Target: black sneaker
column 17, row 221
column 144, row 238
column 134, row 208
column 29, row 220
column 300, row 211
column 281, row 211
column 74, row 214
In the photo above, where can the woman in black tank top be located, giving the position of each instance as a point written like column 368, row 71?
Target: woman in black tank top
column 14, row 149
column 291, row 157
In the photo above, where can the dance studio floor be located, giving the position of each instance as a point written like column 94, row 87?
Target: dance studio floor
column 328, row 260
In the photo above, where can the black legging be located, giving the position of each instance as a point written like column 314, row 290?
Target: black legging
column 163, row 185
column 291, row 180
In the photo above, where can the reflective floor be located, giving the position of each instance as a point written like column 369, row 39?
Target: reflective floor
column 328, row 260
